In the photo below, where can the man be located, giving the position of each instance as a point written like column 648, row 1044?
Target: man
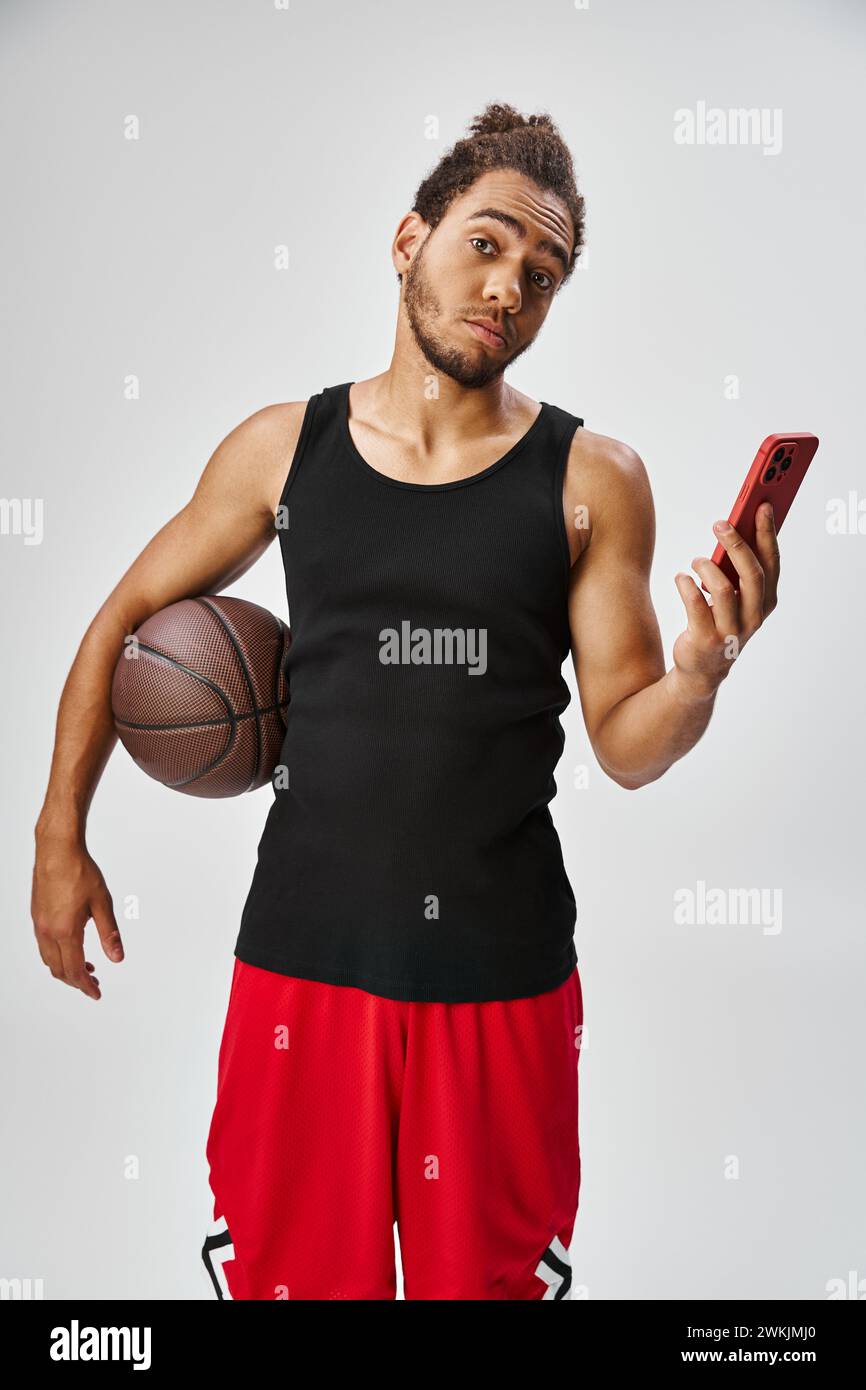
column 402, row 1036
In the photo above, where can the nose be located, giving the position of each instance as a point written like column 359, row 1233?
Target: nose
column 503, row 289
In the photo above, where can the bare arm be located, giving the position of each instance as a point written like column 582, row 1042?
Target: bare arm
column 215, row 538
column 641, row 718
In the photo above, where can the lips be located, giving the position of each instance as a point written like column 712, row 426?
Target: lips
column 486, row 334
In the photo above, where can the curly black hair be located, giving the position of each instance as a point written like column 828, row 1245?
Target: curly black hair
column 502, row 138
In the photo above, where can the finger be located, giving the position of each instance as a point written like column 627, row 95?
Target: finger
column 49, row 943
column 102, row 911
column 725, row 609
column 698, row 612
column 750, row 575
column 767, row 544
column 74, row 973
column 50, row 953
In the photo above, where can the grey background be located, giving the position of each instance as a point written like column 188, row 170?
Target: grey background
column 307, row 128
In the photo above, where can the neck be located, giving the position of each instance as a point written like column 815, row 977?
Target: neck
column 412, row 400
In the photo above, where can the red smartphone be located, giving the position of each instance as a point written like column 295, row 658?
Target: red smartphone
column 776, row 474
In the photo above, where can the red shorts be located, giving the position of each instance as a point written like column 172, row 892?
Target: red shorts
column 339, row 1113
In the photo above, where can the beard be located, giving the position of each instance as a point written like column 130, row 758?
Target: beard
column 424, row 311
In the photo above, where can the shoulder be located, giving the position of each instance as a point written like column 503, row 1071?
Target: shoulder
column 277, row 426
column 606, row 488
column 250, row 465
column 605, row 461
column 268, row 439
column 266, row 434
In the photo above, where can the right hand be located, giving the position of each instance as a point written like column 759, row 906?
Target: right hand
column 68, row 889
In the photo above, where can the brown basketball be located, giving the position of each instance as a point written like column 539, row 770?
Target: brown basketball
column 200, row 695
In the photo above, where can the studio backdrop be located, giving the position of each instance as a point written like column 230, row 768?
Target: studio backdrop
column 200, row 200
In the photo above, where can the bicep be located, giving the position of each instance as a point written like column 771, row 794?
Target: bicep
column 223, row 529
column 616, row 643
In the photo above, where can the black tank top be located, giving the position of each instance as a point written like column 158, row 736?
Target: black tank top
column 409, row 850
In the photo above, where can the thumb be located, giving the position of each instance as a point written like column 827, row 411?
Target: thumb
column 102, row 912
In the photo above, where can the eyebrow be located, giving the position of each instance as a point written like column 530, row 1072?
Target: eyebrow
column 544, row 243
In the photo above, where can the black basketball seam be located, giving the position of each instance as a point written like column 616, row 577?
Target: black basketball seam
column 205, row 603
column 232, row 717
column 283, row 632
column 279, row 666
column 197, row 724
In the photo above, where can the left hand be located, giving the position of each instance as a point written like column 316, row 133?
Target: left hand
column 717, row 633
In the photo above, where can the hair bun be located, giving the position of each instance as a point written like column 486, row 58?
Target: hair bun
column 498, row 118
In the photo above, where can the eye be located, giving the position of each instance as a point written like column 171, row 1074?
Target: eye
column 544, row 288
column 549, row 285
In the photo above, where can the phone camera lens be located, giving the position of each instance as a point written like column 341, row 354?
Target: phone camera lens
column 770, row 474
column 779, row 454
column 786, row 463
